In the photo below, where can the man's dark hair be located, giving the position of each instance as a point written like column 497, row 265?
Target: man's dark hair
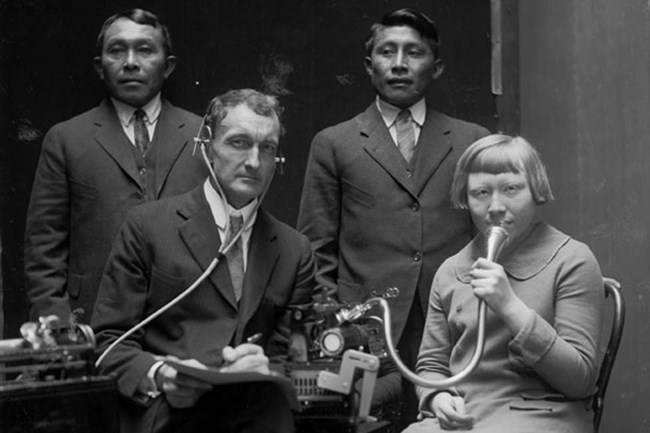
column 138, row 16
column 410, row 18
column 258, row 102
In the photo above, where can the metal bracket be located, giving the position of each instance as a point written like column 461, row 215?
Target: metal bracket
column 342, row 383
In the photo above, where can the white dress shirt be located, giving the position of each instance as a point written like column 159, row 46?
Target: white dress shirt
column 389, row 114
column 220, row 208
column 126, row 114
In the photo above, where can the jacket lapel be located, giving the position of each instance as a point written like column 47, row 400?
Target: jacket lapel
column 112, row 138
column 262, row 257
column 170, row 138
column 380, row 146
column 201, row 235
column 434, row 144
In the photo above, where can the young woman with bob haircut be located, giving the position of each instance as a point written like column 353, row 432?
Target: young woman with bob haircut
column 544, row 299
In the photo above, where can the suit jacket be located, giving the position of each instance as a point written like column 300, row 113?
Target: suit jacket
column 373, row 223
column 540, row 379
column 161, row 249
column 85, row 183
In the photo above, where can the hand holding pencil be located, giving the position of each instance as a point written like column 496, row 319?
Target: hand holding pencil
column 245, row 357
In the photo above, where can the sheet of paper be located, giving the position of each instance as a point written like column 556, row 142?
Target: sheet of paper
column 216, row 378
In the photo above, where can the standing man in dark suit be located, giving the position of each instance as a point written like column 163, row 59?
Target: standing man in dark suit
column 160, row 251
column 375, row 202
column 133, row 148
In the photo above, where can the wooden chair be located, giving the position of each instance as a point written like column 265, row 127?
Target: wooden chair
column 611, row 351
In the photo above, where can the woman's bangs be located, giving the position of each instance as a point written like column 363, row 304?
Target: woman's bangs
column 496, row 160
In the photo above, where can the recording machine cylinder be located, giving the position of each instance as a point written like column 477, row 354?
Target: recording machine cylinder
column 335, row 341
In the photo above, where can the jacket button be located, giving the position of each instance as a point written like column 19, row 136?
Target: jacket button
column 415, row 206
column 143, row 171
column 408, row 173
column 417, row 256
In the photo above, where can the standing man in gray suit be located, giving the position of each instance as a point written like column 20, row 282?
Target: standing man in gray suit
column 375, row 202
column 133, row 148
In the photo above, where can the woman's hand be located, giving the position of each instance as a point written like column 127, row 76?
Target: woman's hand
column 490, row 283
column 450, row 411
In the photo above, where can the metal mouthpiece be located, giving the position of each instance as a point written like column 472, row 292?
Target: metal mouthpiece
column 497, row 237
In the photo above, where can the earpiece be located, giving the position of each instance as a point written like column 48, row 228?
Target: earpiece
column 280, row 159
column 198, row 142
column 203, row 137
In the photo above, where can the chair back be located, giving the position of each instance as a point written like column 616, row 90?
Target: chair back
column 611, row 351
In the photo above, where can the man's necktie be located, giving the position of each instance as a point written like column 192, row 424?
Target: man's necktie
column 405, row 134
column 140, row 131
column 235, row 257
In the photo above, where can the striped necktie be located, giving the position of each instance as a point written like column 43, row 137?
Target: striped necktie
column 140, row 131
column 405, row 134
column 235, row 256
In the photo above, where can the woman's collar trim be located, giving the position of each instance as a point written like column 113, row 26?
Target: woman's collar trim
column 532, row 256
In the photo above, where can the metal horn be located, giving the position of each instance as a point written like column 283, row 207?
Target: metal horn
column 497, row 237
column 496, row 240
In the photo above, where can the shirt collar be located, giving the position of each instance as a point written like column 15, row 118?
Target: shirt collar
column 531, row 257
column 125, row 111
column 219, row 211
column 389, row 112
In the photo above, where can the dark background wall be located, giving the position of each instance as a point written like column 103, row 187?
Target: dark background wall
column 585, row 102
column 309, row 52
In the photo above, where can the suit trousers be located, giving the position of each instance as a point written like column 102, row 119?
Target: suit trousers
column 408, row 348
column 239, row 408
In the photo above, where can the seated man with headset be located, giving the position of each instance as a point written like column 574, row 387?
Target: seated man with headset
column 233, row 283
